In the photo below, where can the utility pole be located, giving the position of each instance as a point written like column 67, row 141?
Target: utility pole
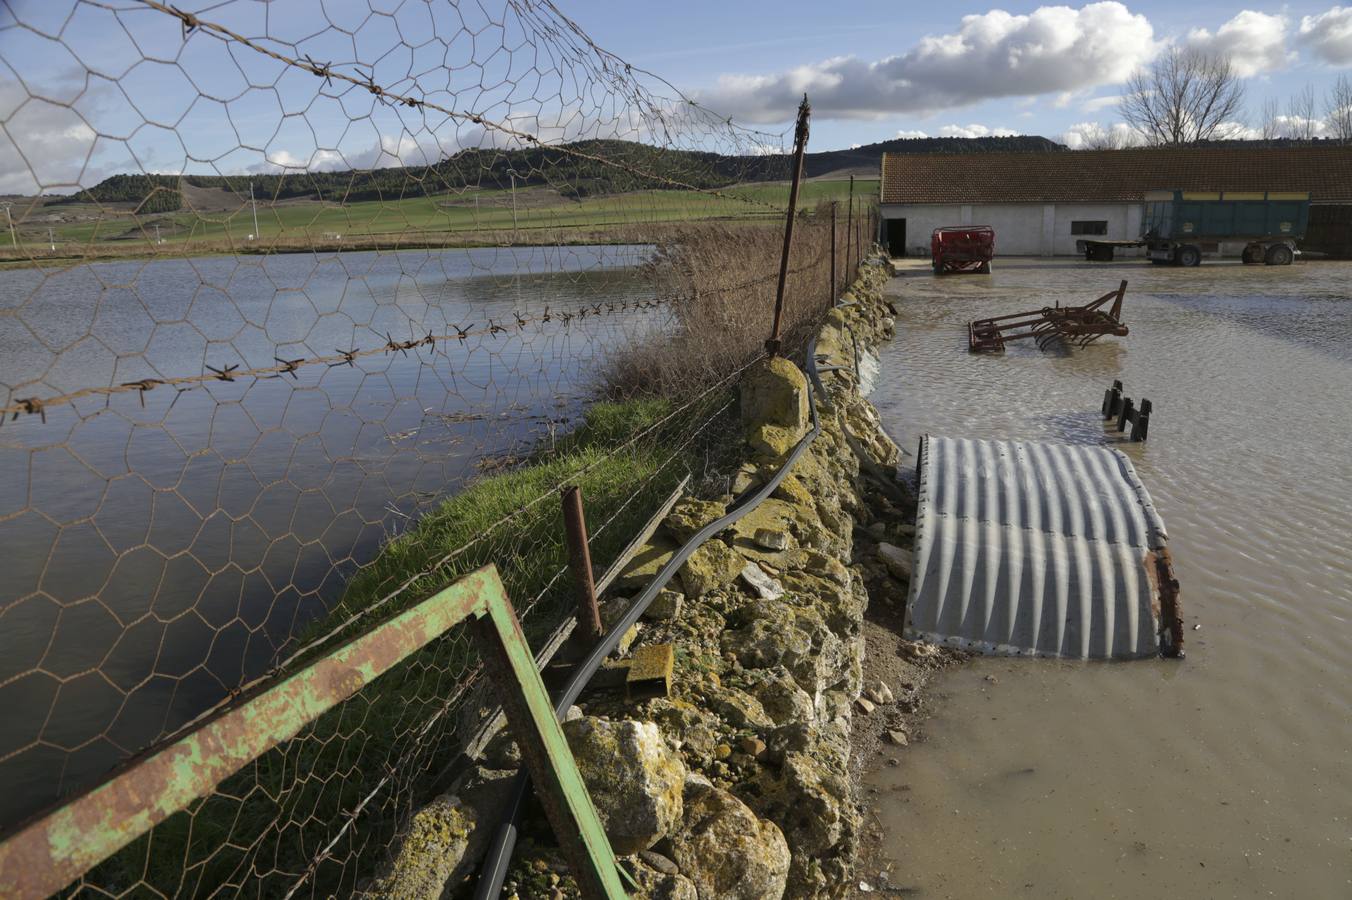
column 157, row 233
column 512, row 172
column 12, row 235
column 254, row 203
column 51, row 238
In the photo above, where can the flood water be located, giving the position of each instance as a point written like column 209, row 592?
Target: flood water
column 1228, row 774
column 160, row 549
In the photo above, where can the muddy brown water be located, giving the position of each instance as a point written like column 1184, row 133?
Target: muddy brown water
column 1228, row 774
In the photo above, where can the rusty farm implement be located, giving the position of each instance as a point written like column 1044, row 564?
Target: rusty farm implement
column 1078, row 325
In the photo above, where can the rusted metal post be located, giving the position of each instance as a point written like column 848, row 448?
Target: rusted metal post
column 835, row 285
column 579, row 560
column 849, row 230
column 1171, row 606
column 799, row 143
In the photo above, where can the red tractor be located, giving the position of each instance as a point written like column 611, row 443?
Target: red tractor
column 962, row 248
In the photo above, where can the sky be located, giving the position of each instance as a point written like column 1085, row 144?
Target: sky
column 88, row 89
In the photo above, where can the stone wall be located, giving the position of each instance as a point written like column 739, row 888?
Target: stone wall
column 737, row 785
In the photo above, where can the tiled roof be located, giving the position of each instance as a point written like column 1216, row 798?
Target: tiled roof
column 1115, row 175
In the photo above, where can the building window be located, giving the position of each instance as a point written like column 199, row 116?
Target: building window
column 1089, row 227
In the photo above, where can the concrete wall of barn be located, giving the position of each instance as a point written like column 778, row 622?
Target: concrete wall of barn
column 1021, row 229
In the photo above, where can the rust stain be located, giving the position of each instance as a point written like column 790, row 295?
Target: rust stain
column 59, row 847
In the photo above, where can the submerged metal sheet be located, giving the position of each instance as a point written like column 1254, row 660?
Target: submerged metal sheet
column 1026, row 548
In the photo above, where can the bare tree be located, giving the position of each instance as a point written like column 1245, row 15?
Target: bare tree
column 1097, row 137
column 1185, row 96
column 1301, row 123
column 1270, row 126
column 1338, row 109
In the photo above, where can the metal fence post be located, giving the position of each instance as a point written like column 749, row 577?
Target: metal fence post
column 849, row 230
column 799, row 143
column 835, row 284
column 579, row 560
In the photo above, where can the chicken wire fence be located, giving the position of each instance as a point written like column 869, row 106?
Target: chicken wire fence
column 306, row 310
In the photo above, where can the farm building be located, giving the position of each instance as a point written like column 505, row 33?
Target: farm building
column 1040, row 204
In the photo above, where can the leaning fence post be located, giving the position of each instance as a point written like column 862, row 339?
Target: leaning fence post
column 1126, row 415
column 799, row 143
column 579, row 560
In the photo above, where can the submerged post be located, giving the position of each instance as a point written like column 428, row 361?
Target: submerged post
column 799, row 143
column 579, row 560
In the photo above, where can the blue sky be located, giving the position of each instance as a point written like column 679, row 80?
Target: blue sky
column 86, row 90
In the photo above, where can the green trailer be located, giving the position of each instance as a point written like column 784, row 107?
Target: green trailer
column 1179, row 225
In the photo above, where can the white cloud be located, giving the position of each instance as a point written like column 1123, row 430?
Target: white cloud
column 911, row 134
column 1095, row 104
column 995, row 54
column 1254, row 41
column 975, row 131
column 1329, row 35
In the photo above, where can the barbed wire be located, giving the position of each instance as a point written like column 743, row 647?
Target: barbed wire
column 192, row 23
column 230, row 372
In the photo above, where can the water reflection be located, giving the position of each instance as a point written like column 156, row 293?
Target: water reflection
column 162, row 547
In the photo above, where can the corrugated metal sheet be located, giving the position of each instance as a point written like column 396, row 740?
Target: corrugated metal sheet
column 1026, row 548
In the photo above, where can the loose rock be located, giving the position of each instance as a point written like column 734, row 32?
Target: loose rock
column 897, row 560
column 727, row 851
column 634, row 778
column 765, row 587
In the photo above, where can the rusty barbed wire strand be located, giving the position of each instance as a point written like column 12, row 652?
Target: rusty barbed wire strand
column 40, row 405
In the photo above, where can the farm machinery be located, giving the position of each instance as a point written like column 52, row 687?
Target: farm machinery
column 1077, row 325
column 962, row 248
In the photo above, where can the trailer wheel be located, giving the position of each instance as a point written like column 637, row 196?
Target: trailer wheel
column 1279, row 255
column 1189, row 256
column 1253, row 254
column 984, row 268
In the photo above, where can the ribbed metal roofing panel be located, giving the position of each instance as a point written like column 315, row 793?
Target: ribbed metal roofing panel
column 1026, row 548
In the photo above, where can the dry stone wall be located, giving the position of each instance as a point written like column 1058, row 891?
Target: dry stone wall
column 767, row 621
column 737, row 785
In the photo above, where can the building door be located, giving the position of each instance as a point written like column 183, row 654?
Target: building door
column 896, row 237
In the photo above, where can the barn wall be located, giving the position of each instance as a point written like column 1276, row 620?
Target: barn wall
column 1021, row 229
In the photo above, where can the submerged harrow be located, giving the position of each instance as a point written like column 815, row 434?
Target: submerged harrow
column 1081, row 325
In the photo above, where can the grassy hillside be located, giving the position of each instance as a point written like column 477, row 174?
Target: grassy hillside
column 214, row 220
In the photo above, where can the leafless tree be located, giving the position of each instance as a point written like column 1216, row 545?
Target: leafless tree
column 1270, row 127
column 1098, row 137
column 1338, row 109
column 1186, row 95
column 1301, row 123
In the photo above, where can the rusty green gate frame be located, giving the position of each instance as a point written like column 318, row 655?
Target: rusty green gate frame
column 58, row 848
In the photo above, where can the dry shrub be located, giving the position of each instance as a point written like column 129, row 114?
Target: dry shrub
column 723, row 277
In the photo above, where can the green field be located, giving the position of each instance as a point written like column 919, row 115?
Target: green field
column 473, row 217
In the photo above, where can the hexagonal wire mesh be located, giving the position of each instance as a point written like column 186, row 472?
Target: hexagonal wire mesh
column 304, row 312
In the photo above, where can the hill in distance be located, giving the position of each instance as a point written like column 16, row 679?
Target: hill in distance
column 571, row 175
